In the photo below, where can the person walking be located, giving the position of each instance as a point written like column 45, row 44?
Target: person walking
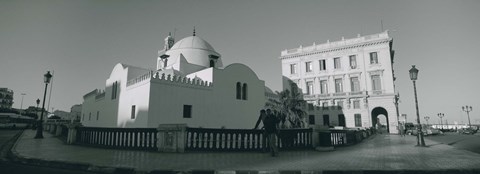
column 262, row 116
column 270, row 123
column 401, row 129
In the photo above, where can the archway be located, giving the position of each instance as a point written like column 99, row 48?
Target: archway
column 377, row 112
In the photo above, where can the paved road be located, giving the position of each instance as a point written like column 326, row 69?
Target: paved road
column 459, row 141
column 9, row 167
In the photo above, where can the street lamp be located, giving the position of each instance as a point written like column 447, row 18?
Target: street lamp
column 413, row 76
column 21, row 104
column 427, row 118
column 441, row 115
column 46, row 79
column 36, row 110
column 467, row 109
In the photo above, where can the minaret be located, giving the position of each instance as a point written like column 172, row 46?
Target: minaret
column 169, row 41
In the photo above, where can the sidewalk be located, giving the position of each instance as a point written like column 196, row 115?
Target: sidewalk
column 382, row 152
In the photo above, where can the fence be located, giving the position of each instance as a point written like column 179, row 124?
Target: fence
column 344, row 137
column 121, row 138
column 201, row 139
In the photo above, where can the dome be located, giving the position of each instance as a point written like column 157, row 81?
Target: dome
column 193, row 42
column 196, row 51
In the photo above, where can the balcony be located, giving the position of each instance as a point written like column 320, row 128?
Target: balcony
column 309, row 96
column 339, row 94
column 377, row 92
column 356, row 93
column 323, row 95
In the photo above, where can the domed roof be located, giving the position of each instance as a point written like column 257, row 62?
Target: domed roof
column 193, row 42
column 195, row 51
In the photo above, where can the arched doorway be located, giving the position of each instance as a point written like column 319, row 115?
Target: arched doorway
column 378, row 111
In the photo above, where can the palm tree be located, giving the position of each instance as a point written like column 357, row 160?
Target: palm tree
column 290, row 106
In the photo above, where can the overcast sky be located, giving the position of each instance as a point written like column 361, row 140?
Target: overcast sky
column 81, row 41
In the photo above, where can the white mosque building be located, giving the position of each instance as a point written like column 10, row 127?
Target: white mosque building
column 189, row 86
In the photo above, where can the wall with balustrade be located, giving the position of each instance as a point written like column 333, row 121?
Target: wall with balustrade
column 199, row 139
column 179, row 138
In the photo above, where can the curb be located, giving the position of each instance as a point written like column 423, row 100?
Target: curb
column 5, row 148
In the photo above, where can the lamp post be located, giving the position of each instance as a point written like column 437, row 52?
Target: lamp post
column 427, row 118
column 36, row 109
column 21, row 104
column 46, row 79
column 468, row 109
column 413, row 76
column 441, row 115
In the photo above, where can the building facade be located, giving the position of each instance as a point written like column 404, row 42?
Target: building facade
column 189, row 86
column 6, row 98
column 347, row 83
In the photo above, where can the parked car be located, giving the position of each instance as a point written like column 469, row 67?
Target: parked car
column 469, row 131
column 433, row 131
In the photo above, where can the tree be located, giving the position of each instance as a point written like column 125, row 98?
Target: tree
column 290, row 106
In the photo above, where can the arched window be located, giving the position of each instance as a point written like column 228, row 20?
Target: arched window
column 244, row 91
column 239, row 90
column 212, row 63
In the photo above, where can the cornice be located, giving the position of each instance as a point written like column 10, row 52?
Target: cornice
column 340, row 48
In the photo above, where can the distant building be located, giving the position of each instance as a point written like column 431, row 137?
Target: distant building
column 189, row 86
column 64, row 115
column 6, row 98
column 76, row 112
column 348, row 82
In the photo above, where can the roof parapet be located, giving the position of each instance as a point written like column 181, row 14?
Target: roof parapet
column 170, row 79
column 336, row 44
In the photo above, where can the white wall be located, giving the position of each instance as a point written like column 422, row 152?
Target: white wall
column 212, row 106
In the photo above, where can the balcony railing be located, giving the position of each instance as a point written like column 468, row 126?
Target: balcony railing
column 357, row 93
column 323, row 95
column 309, row 96
column 343, row 94
column 377, row 92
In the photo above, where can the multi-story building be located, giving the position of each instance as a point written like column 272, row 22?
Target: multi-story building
column 6, row 98
column 346, row 83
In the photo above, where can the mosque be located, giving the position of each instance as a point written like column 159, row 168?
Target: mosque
column 189, row 86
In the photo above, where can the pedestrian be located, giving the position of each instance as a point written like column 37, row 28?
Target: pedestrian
column 401, row 130
column 262, row 116
column 270, row 123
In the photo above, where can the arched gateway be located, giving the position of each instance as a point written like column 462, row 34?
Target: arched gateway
column 380, row 111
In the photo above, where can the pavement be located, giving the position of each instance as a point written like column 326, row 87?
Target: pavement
column 381, row 153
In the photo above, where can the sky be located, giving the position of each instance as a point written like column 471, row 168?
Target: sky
column 81, row 41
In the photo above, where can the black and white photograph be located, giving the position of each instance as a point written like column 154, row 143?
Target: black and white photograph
column 239, row 86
